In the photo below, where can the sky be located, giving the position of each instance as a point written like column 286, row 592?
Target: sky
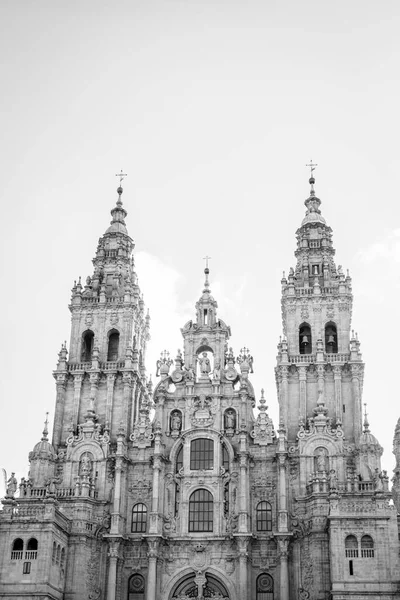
column 213, row 110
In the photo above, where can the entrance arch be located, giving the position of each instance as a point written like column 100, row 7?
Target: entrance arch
column 202, row 587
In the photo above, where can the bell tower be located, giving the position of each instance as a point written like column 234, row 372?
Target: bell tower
column 104, row 375
column 319, row 360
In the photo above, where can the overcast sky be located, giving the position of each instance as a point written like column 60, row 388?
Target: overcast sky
column 213, row 109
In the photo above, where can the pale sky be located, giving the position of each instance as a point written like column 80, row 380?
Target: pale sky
column 213, row 109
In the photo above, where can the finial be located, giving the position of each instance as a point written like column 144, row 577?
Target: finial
column 312, row 178
column 120, row 189
column 46, row 430
column 206, row 272
column 366, row 424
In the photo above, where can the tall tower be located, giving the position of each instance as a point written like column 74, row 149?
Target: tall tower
column 339, row 498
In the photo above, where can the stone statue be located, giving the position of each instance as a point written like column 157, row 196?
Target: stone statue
column 204, row 363
column 217, row 372
column 230, row 419
column 332, row 480
column 176, row 421
column 86, row 465
column 321, row 460
column 12, row 485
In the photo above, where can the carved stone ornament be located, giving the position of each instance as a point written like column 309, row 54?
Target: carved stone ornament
column 114, row 317
column 89, row 319
column 142, row 434
column 263, row 432
column 202, row 413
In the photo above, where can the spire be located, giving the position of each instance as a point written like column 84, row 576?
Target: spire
column 206, row 273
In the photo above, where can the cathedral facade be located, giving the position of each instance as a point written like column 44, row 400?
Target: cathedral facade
column 185, row 491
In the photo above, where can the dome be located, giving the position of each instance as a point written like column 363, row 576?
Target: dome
column 43, row 449
column 313, row 217
column 117, row 227
column 369, row 441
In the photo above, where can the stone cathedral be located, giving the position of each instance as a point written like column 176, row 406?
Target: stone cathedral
column 189, row 490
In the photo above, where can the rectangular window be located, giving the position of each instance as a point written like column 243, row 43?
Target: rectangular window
column 202, row 454
column 26, row 569
column 351, row 567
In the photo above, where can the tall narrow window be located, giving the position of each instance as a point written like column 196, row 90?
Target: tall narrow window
column 87, row 346
column 136, row 587
column 26, row 569
column 265, row 587
column 367, row 547
column 139, row 518
column 201, row 511
column 225, row 458
column 62, row 561
column 53, row 557
column 58, row 554
column 351, row 546
column 113, row 345
column 305, row 341
column 201, row 454
column 264, row 516
column 331, row 343
column 17, row 549
column 205, row 317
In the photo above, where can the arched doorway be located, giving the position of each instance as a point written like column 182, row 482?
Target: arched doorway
column 200, row 587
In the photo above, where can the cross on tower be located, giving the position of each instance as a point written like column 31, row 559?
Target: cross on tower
column 207, row 258
column 121, row 176
column 312, row 167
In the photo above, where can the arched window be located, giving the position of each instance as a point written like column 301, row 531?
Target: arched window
column 17, row 549
column 367, row 547
column 31, row 549
column 179, row 459
column 351, row 546
column 113, row 345
column 87, row 346
column 265, row 587
column 53, row 556
column 62, row 561
column 331, row 345
column 305, row 341
column 264, row 516
column 58, row 555
column 136, row 587
column 139, row 518
column 201, row 511
column 202, row 454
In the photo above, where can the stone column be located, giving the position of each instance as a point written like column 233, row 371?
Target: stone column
column 355, row 381
column 94, row 386
column 321, row 383
column 152, row 570
column 337, row 376
column 283, row 544
column 283, row 417
column 112, row 570
column 242, row 543
column 303, row 393
column 283, row 520
column 155, row 498
column 78, row 379
column 109, row 402
column 61, row 381
column 243, row 508
column 127, row 404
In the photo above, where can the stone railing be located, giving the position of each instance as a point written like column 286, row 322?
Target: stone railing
column 104, row 366
column 302, row 358
column 311, row 358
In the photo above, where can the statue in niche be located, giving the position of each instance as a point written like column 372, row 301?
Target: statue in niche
column 85, row 466
column 204, row 362
column 217, row 372
column 230, row 419
column 176, row 421
column 321, row 459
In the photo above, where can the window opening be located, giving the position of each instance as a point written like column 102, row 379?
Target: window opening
column 202, row 454
column 31, row 549
column 264, row 516
column 351, row 546
column 58, row 555
column 53, row 558
column 179, row 459
column 201, row 511
column 265, row 587
column 367, row 547
column 26, row 569
column 351, row 567
column 331, row 345
column 305, row 342
column 87, row 346
column 17, row 549
column 225, row 458
column 113, row 345
column 139, row 518
column 136, row 587
column 205, row 317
